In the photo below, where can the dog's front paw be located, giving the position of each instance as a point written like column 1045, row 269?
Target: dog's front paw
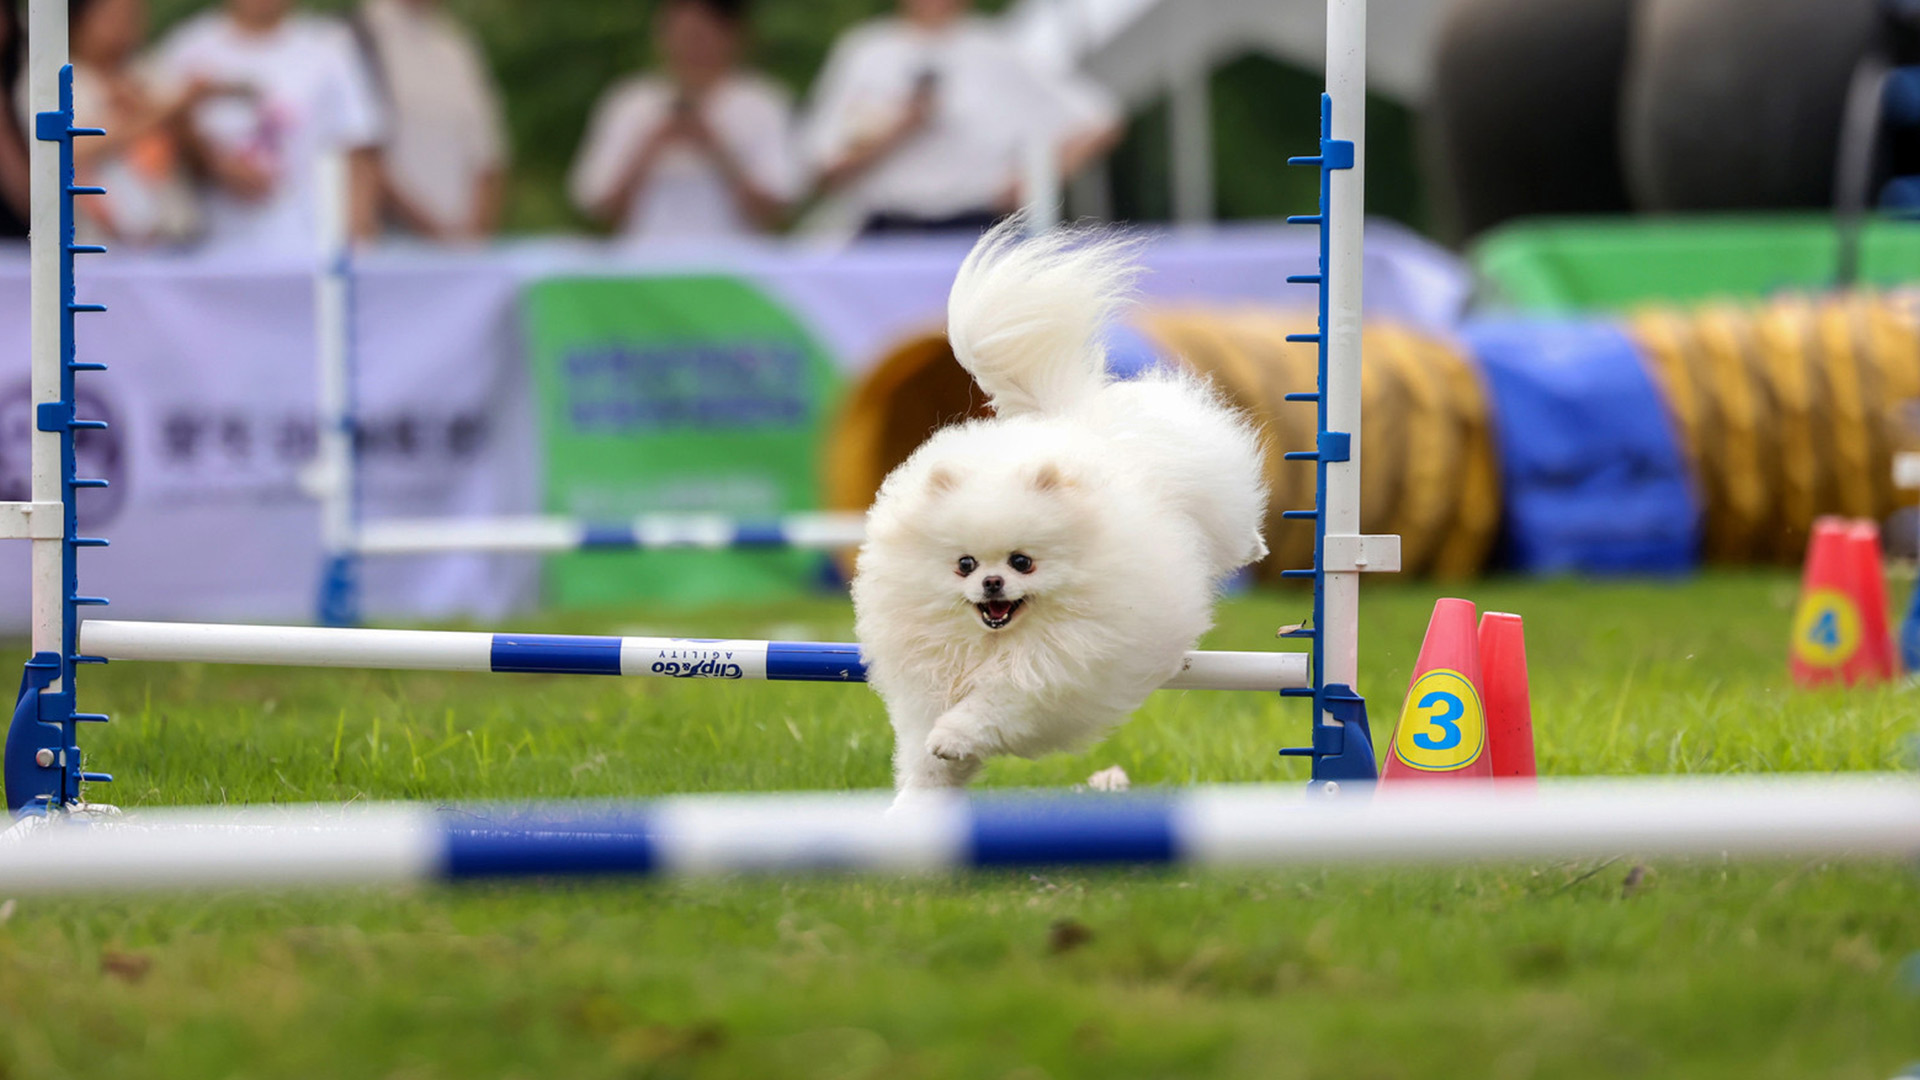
column 950, row 744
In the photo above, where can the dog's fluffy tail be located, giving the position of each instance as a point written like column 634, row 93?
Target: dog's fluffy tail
column 1027, row 315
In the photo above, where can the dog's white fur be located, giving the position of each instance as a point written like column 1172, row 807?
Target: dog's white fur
column 1133, row 499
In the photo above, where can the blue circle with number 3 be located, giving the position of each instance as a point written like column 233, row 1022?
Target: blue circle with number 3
column 1442, row 726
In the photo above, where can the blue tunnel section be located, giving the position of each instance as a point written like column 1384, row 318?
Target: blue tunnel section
column 1594, row 476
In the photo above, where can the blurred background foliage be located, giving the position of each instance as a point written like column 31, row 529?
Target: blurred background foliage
column 553, row 59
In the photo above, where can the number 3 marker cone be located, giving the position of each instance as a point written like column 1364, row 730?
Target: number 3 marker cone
column 1442, row 732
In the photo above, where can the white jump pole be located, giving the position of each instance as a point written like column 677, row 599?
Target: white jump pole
column 1859, row 817
column 552, row 535
column 1347, row 85
column 46, row 55
column 439, row 650
column 1040, row 183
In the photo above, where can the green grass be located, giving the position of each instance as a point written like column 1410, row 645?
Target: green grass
column 1698, row 970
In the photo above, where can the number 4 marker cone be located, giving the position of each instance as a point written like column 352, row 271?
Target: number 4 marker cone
column 1442, row 732
column 1503, row 675
column 1828, row 633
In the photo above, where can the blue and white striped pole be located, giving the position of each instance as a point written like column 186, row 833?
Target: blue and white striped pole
column 565, row 654
column 277, row 847
column 555, row 535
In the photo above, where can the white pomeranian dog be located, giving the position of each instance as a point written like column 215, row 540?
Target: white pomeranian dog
column 1029, row 579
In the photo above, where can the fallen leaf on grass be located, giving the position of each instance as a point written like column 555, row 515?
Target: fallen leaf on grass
column 654, row 1042
column 1636, row 878
column 127, row 967
column 1066, row 935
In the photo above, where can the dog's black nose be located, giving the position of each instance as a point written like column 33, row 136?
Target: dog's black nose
column 993, row 585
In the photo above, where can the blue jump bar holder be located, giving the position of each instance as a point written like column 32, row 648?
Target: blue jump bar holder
column 43, row 760
column 1341, row 752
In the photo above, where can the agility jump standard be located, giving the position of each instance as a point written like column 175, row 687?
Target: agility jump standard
column 333, row 480
column 1853, row 817
column 43, row 758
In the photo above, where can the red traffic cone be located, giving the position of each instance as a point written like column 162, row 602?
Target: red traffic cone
column 1874, row 663
column 1827, row 631
column 1442, row 733
column 1503, row 676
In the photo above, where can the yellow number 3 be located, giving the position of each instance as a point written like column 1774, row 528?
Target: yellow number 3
column 1442, row 728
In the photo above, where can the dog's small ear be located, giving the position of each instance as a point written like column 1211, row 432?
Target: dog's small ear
column 941, row 480
column 1051, row 478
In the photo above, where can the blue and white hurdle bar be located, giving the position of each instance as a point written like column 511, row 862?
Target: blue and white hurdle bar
column 558, row 654
column 648, row 532
column 1857, row 817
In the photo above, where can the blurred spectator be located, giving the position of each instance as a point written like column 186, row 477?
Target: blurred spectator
column 443, row 165
column 138, row 161
column 294, row 89
column 13, row 143
column 702, row 149
column 922, row 120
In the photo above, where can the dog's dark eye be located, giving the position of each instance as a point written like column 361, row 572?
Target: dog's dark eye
column 967, row 565
column 1021, row 562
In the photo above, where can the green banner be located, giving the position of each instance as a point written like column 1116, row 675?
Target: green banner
column 1617, row 263
column 676, row 394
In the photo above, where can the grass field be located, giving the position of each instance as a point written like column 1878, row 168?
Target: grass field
column 1582, row 969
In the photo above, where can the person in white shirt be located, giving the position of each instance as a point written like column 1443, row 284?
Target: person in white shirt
column 296, row 90
column 443, row 165
column 701, row 150
column 148, row 200
column 924, row 120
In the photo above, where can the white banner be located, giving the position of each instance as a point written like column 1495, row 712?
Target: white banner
column 211, row 400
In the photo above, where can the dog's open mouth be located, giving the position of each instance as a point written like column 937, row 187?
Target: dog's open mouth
column 996, row 614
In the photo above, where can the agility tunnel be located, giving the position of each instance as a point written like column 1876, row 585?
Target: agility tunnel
column 1430, row 474
column 1646, row 442
column 1788, row 411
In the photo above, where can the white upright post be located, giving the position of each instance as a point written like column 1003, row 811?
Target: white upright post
column 1347, row 85
column 333, row 460
column 1040, row 181
column 1190, row 122
column 46, row 55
